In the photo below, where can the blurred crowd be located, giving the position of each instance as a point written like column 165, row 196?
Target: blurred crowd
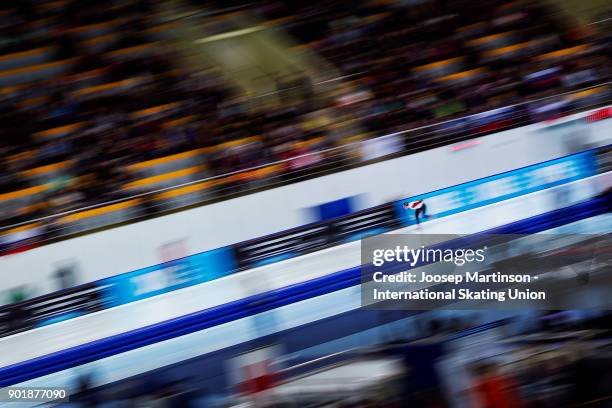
column 497, row 50
column 109, row 99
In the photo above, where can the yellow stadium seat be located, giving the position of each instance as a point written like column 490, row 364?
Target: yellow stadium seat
column 154, row 110
column 461, row 75
column 150, row 181
column 24, row 192
column 505, row 50
column 563, row 53
column 438, row 64
column 488, row 38
column 164, row 160
column 99, row 211
column 60, row 130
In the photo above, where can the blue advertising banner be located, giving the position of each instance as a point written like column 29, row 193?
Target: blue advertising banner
column 502, row 186
column 169, row 276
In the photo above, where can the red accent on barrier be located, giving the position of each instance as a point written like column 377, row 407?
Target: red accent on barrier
column 260, row 377
column 465, row 145
column 599, row 115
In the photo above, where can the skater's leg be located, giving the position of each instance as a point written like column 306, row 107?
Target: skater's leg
column 425, row 215
column 417, row 214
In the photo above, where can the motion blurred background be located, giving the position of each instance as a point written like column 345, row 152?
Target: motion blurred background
column 184, row 184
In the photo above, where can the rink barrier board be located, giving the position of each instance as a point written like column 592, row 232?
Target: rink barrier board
column 253, row 305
